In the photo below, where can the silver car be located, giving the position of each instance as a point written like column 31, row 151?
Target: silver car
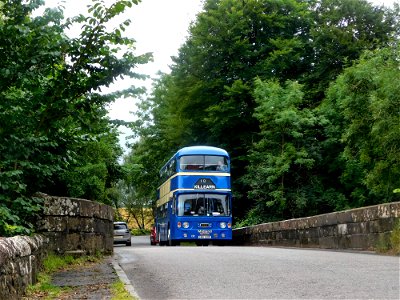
column 122, row 234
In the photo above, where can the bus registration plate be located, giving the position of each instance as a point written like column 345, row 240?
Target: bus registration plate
column 205, row 234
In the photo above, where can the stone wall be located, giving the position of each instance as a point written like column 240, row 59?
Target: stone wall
column 66, row 225
column 77, row 225
column 361, row 229
column 21, row 258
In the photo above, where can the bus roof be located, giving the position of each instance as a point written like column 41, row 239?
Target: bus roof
column 201, row 150
column 198, row 150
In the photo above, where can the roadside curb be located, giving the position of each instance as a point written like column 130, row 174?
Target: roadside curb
column 124, row 278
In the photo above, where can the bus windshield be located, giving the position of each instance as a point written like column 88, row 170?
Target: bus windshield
column 203, row 205
column 203, row 163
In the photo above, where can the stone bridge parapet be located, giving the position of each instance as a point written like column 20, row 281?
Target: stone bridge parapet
column 66, row 225
column 73, row 224
column 360, row 229
column 21, row 258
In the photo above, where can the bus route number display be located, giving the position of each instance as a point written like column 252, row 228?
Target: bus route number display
column 204, row 184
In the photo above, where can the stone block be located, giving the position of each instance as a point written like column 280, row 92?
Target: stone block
column 384, row 211
column 328, row 242
column 343, row 242
column 284, row 225
column 357, row 228
column 100, row 226
column 96, row 210
column 87, row 225
column 344, row 217
column 59, row 206
column 87, row 208
column 109, row 213
column 266, row 227
column 52, row 223
column 395, row 210
column 308, row 242
column 300, row 223
column 290, row 234
column 74, row 224
column 381, row 225
column 313, row 232
column 314, row 221
column 275, row 226
column 359, row 241
column 342, row 229
column 371, row 213
column 364, row 214
column 73, row 241
column 326, row 231
column 329, row 219
column 56, row 241
column 357, row 215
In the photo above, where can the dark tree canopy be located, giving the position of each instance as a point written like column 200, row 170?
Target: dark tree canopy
column 302, row 94
column 54, row 132
column 251, row 78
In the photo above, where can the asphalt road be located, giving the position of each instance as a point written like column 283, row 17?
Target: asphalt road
column 190, row 272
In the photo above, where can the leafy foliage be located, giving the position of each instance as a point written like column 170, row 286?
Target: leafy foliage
column 251, row 78
column 280, row 162
column 367, row 101
column 51, row 103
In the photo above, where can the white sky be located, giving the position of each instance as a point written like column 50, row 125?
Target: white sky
column 158, row 26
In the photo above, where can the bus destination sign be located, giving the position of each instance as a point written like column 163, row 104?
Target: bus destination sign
column 204, row 184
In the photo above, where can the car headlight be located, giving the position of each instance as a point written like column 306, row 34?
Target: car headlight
column 185, row 224
column 222, row 225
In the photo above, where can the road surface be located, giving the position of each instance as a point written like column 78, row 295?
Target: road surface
column 232, row 272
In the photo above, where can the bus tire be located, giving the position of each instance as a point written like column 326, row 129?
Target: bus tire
column 171, row 242
column 160, row 242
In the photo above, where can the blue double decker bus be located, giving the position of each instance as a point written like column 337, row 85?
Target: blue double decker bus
column 194, row 201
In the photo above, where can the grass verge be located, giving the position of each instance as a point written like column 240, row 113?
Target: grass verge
column 44, row 289
column 119, row 292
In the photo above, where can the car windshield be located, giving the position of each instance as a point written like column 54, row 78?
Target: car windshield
column 203, row 205
column 120, row 226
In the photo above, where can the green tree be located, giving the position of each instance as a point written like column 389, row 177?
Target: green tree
column 51, row 103
column 95, row 171
column 208, row 97
column 367, row 99
column 341, row 31
column 279, row 172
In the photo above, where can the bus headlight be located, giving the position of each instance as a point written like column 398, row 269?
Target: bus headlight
column 185, row 224
column 222, row 225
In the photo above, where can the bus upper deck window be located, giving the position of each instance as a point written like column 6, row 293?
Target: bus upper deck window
column 191, row 162
column 216, row 163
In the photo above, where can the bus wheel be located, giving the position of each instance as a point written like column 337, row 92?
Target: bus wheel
column 171, row 242
column 160, row 242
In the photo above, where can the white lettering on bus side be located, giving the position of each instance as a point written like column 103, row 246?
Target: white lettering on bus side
column 204, row 187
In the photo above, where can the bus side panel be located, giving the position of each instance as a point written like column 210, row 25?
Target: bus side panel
column 189, row 181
